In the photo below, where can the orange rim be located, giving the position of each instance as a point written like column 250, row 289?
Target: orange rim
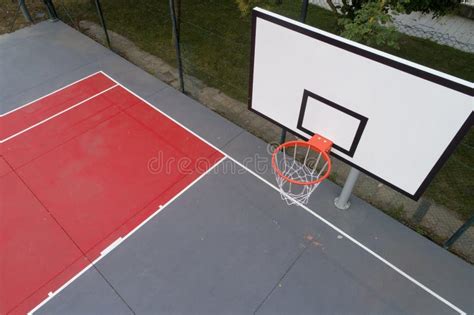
column 304, row 144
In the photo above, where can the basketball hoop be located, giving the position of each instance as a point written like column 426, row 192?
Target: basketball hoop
column 297, row 180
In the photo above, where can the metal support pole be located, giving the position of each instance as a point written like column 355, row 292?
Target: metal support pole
column 102, row 21
column 25, row 11
column 458, row 233
column 51, row 10
column 282, row 136
column 304, row 11
column 342, row 202
column 177, row 44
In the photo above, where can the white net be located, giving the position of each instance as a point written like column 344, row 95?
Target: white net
column 303, row 164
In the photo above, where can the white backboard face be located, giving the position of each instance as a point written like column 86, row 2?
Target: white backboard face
column 393, row 119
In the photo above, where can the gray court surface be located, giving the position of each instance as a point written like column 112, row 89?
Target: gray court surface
column 229, row 244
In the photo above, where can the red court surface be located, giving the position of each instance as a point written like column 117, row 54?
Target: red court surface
column 80, row 168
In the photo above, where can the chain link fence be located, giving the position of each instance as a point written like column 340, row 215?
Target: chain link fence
column 211, row 41
column 16, row 14
column 439, row 37
column 451, row 30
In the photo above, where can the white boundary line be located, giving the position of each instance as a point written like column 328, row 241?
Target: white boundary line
column 121, row 239
column 371, row 252
column 44, row 96
column 352, row 239
column 57, row 114
column 334, row 227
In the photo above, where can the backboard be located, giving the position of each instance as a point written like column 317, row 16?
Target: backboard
column 395, row 120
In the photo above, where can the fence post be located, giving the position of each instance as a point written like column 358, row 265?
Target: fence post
column 25, row 11
column 458, row 233
column 51, row 10
column 102, row 21
column 177, row 44
column 304, row 11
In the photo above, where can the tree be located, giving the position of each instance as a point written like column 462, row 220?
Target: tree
column 371, row 21
column 245, row 6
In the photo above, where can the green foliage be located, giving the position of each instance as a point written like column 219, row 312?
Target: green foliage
column 245, row 6
column 369, row 21
column 437, row 7
column 371, row 25
column 349, row 8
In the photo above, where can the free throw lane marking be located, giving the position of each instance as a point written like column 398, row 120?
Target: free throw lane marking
column 122, row 239
column 352, row 239
column 56, row 115
column 51, row 93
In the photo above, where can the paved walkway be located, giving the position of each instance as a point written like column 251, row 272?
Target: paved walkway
column 450, row 30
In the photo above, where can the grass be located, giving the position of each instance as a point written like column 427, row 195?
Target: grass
column 11, row 18
column 215, row 41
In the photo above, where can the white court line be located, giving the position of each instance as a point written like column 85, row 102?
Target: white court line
column 120, row 240
column 111, row 246
column 44, row 96
column 56, row 115
column 352, row 239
